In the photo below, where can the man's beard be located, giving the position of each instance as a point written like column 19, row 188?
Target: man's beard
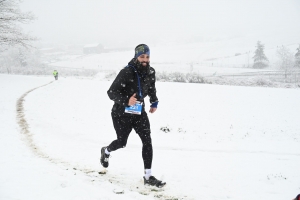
column 141, row 68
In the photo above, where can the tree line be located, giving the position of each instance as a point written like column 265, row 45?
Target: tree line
column 286, row 59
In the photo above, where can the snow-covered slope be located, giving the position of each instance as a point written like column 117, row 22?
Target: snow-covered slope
column 226, row 56
column 225, row 142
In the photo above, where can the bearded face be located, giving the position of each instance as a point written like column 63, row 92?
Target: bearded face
column 143, row 63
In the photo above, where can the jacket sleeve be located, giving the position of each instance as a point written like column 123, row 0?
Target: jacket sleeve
column 117, row 92
column 152, row 88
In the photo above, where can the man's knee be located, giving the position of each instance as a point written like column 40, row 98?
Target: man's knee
column 122, row 143
column 147, row 142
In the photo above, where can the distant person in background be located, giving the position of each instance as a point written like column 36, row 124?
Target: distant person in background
column 131, row 86
column 55, row 74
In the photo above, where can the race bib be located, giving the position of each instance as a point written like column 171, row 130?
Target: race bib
column 134, row 109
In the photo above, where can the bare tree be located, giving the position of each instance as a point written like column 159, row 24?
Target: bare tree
column 285, row 56
column 286, row 60
column 11, row 17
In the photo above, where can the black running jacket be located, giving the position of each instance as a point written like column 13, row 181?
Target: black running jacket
column 127, row 83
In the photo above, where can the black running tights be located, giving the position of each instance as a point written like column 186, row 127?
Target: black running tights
column 124, row 125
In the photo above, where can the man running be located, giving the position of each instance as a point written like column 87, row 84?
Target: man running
column 128, row 90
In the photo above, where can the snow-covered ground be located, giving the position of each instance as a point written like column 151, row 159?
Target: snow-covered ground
column 23, row 175
column 225, row 142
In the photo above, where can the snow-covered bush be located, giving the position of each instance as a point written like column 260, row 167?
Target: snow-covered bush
column 178, row 77
column 110, row 75
column 261, row 81
column 162, row 76
column 47, row 70
column 194, row 78
column 20, row 57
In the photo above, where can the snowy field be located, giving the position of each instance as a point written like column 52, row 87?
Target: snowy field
column 230, row 56
column 225, row 142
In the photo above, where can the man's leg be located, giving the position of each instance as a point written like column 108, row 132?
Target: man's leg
column 123, row 128
column 142, row 128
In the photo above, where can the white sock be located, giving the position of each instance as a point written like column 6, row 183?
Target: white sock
column 147, row 173
column 107, row 152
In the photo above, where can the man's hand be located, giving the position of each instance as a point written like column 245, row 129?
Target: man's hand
column 132, row 100
column 152, row 110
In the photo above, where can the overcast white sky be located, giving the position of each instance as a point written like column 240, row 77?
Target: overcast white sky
column 126, row 22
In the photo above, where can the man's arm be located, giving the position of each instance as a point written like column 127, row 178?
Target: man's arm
column 152, row 92
column 116, row 90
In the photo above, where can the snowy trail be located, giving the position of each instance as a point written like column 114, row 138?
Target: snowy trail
column 120, row 183
column 92, row 173
column 234, row 142
column 26, row 176
column 22, row 120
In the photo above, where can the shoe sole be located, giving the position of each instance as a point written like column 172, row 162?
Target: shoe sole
column 103, row 152
column 162, row 184
column 154, row 187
